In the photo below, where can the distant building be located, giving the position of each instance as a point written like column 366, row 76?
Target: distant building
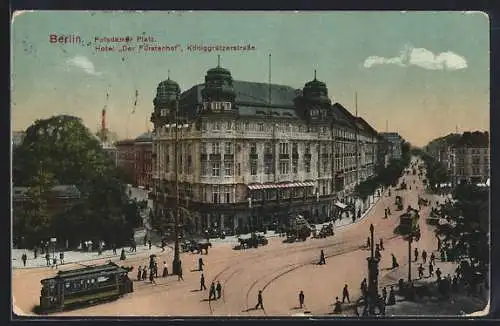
column 395, row 142
column 17, row 138
column 125, row 157
column 384, row 152
column 143, row 160
column 471, row 158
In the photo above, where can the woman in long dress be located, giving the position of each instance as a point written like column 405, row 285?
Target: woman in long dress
column 165, row 269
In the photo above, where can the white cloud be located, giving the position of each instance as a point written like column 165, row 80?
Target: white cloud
column 83, row 63
column 422, row 58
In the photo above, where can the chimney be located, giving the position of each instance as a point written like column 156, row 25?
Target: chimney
column 103, row 120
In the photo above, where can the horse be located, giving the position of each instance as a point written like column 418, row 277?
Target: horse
column 199, row 247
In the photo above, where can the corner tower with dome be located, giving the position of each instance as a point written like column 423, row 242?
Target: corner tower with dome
column 252, row 155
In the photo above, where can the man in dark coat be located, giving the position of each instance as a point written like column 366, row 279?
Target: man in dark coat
column 301, row 299
column 260, row 302
column 218, row 288
column 345, row 294
column 200, row 264
column 424, row 256
column 212, row 292
column 322, row 260
column 202, row 283
column 24, row 258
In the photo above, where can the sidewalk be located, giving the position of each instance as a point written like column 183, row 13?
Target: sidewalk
column 76, row 256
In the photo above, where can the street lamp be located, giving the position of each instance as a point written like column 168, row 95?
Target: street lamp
column 372, row 297
column 413, row 234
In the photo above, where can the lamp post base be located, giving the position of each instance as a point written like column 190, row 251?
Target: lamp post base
column 176, row 266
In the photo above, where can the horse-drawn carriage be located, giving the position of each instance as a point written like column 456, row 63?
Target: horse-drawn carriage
column 408, row 221
column 194, row 246
column 299, row 230
column 325, row 231
column 253, row 241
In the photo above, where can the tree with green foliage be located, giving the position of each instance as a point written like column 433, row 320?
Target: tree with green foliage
column 467, row 233
column 65, row 149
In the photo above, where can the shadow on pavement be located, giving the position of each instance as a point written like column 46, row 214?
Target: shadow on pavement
column 195, row 290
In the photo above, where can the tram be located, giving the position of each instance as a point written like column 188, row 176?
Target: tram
column 84, row 286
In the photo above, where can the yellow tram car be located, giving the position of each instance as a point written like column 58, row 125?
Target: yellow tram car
column 83, row 286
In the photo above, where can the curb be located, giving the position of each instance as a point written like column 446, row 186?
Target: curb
column 365, row 214
column 87, row 260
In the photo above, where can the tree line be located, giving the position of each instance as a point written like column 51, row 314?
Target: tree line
column 62, row 151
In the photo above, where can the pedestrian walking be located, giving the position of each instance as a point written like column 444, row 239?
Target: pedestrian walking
column 345, row 294
column 145, row 273
column 385, row 213
column 150, row 244
column 47, row 259
column 368, row 244
column 179, row 275
column 114, row 249
column 431, row 269
column 156, row 269
column 394, row 262
column 438, row 274
column 381, row 244
column 416, row 254
column 392, row 297
column 152, row 278
column 433, row 259
column 24, row 258
column 163, row 244
column 165, row 269
column 212, row 292
column 389, row 211
column 337, row 306
column 200, row 264
column 218, row 288
column 301, row 299
column 424, row 256
column 260, row 302
column 202, row 282
column 378, row 255
column 61, row 257
column 54, row 262
column 384, row 295
column 139, row 273
column 122, row 255
column 322, row 260
column 364, row 287
column 35, row 252
column 420, row 271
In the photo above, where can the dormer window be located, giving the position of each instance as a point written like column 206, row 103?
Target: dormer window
column 314, row 112
column 206, row 106
column 163, row 112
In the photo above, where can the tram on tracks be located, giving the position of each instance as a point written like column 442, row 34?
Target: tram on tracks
column 84, row 286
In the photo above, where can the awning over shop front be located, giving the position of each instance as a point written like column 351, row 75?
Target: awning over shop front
column 280, row 185
column 340, row 205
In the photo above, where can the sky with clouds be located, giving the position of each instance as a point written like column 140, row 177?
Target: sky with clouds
column 426, row 73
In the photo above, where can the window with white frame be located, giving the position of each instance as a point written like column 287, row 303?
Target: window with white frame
column 283, row 148
column 215, row 148
column 215, row 194
column 163, row 112
column 216, row 125
column 253, row 148
column 284, row 167
column 261, row 126
column 228, row 168
column 253, row 167
column 295, row 166
column 228, row 148
column 307, row 166
column 215, row 169
column 227, row 194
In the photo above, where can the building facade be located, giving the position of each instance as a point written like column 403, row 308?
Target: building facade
column 143, row 148
column 249, row 154
column 471, row 158
column 395, row 142
column 125, row 157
